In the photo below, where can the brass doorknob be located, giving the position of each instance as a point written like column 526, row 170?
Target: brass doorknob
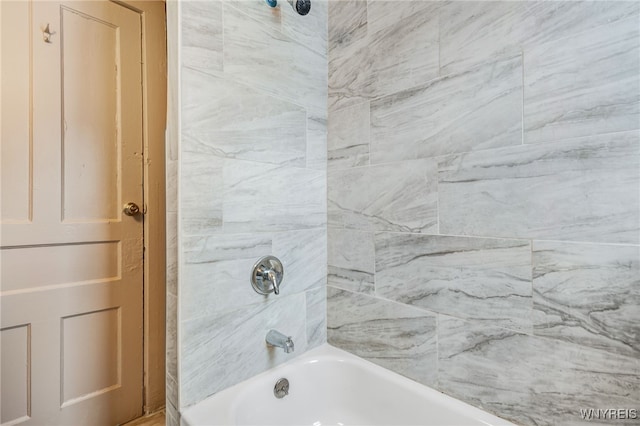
column 131, row 209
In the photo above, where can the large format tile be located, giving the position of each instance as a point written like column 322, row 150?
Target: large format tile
column 348, row 137
column 233, row 121
column 304, row 253
column 351, row 260
column 231, row 345
column 217, row 269
column 200, row 189
column 385, row 197
column 398, row 51
column 397, row 337
column 488, row 280
column 484, row 366
column 588, row 294
column 527, row 379
column 581, row 85
column 349, row 78
column 317, row 142
column 476, row 32
column 579, row 190
column 384, row 16
column 202, row 35
column 403, row 44
column 260, row 12
column 271, row 61
column 478, row 109
column 263, row 197
column 347, row 23
column 309, row 30
column 348, row 54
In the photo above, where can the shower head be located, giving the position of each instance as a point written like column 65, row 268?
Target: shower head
column 302, row 7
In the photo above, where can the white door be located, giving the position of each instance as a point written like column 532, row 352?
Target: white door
column 71, row 279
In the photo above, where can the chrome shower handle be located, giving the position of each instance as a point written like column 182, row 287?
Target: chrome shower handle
column 267, row 275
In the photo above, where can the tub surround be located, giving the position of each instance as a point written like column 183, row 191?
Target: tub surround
column 484, row 208
column 252, row 182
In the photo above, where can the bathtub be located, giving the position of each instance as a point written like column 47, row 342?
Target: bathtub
column 329, row 386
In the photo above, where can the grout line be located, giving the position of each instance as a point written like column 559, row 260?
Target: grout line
column 481, row 237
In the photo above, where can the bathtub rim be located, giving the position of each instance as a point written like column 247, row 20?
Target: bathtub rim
column 229, row 397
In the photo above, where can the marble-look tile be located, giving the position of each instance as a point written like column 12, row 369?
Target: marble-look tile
column 527, row 379
column 385, row 15
column 172, row 415
column 172, row 341
column 583, row 85
column 171, row 185
column 478, row 109
column 202, row 35
column 483, row 366
column 316, row 316
column 403, row 44
column 304, row 256
column 263, row 197
column 588, row 295
column 399, row 55
column 232, row 345
column 578, row 190
column 260, row 12
column 475, row 32
column 309, row 30
column 171, row 391
column 351, row 260
column 273, row 62
column 216, row 270
column 385, row 197
column 349, row 79
column 230, row 120
column 487, row 280
column 547, row 21
column 347, row 23
column 400, row 338
column 317, row 142
column 173, row 81
column 200, row 193
column 172, row 254
column 348, row 137
column 348, row 54
column 472, row 33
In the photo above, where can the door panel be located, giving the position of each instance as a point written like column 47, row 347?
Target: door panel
column 16, row 112
column 62, row 264
column 90, row 354
column 71, row 278
column 15, row 374
column 90, row 193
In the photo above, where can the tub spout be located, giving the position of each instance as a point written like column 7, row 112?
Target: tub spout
column 277, row 339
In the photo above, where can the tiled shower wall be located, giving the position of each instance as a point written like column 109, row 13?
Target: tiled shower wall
column 252, row 182
column 484, row 199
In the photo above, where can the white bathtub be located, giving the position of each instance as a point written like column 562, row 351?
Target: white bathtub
column 329, row 386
